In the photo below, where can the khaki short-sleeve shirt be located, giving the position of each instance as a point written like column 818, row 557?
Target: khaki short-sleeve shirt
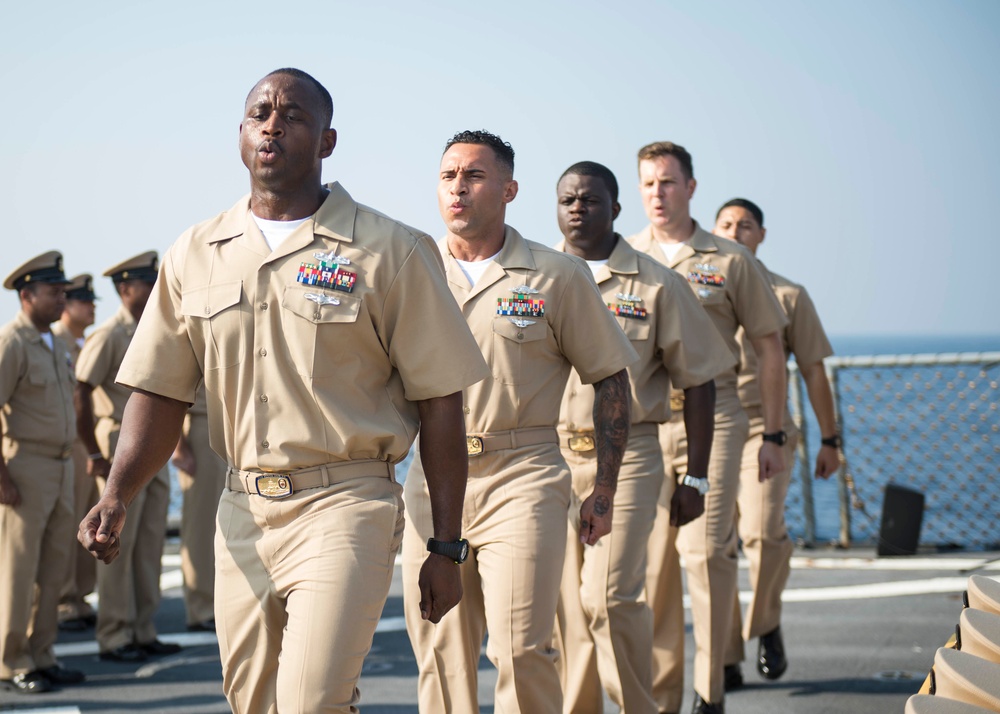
column 803, row 336
column 535, row 312
column 99, row 360
column 676, row 341
column 36, row 390
column 72, row 346
column 730, row 285
column 312, row 353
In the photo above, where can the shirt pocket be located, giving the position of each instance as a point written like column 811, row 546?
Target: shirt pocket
column 322, row 332
column 519, row 353
column 217, row 318
column 635, row 330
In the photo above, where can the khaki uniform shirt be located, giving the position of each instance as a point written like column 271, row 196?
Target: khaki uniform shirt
column 675, row 339
column 98, row 364
column 730, row 285
column 803, row 336
column 297, row 374
column 36, row 391
column 563, row 322
column 72, row 346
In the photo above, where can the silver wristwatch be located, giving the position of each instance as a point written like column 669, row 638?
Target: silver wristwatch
column 696, row 482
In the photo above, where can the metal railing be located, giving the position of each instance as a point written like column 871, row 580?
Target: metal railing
column 930, row 422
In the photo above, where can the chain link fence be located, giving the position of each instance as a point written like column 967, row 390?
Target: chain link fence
column 927, row 422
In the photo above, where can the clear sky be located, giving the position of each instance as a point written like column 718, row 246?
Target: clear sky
column 866, row 130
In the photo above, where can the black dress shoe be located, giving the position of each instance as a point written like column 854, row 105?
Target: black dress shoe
column 57, row 674
column 26, row 683
column 157, row 647
column 203, row 626
column 703, row 707
column 771, row 662
column 126, row 653
column 76, row 624
column 733, row 678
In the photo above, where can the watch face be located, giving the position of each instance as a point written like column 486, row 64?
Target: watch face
column 463, row 551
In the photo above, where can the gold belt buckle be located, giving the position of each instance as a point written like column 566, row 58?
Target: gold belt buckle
column 274, row 486
column 474, row 445
column 582, row 442
column 677, row 403
column 66, row 453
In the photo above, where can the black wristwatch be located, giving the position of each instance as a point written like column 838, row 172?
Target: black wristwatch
column 778, row 437
column 457, row 550
column 835, row 441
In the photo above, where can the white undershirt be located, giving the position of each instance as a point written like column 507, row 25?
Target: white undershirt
column 671, row 249
column 47, row 339
column 80, row 341
column 474, row 269
column 596, row 265
column 275, row 232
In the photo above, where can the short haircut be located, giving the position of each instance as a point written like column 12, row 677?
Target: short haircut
column 668, row 148
column 592, row 168
column 501, row 149
column 326, row 101
column 743, row 203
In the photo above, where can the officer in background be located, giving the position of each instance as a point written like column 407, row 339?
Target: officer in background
column 325, row 336
column 761, row 505
column 536, row 313
column 734, row 292
column 75, row 613
column 202, row 477
column 604, row 627
column 128, row 589
column 36, row 478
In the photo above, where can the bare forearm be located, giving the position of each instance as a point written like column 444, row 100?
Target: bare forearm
column 84, row 404
column 699, row 423
column 820, row 396
column 612, row 418
column 444, row 456
column 150, row 429
column 771, row 373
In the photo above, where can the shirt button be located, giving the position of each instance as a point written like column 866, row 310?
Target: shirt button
column 264, row 444
column 520, row 335
column 208, row 310
column 263, row 306
column 263, row 397
column 467, row 410
column 263, row 352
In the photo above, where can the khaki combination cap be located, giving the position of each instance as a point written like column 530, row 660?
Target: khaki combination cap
column 140, row 267
column 45, row 268
column 81, row 287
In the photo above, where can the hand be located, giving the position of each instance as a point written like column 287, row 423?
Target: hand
column 183, row 458
column 440, row 584
column 98, row 468
column 101, row 529
column 9, row 495
column 827, row 462
column 685, row 505
column 771, row 460
column 595, row 515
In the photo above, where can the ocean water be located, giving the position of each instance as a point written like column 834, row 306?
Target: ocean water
column 889, row 439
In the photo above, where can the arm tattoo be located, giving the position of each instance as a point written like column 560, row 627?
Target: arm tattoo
column 601, row 505
column 612, row 417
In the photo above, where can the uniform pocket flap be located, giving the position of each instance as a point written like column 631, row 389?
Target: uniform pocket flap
column 211, row 300
column 320, row 306
column 505, row 327
column 636, row 330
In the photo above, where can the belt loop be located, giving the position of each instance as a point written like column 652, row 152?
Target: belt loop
column 245, row 475
column 513, row 438
column 326, row 475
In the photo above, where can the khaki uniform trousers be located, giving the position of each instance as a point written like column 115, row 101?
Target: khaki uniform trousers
column 603, row 625
column 82, row 568
column 766, row 545
column 128, row 589
column 708, row 545
column 300, row 587
column 34, row 550
column 514, row 518
column 201, row 493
